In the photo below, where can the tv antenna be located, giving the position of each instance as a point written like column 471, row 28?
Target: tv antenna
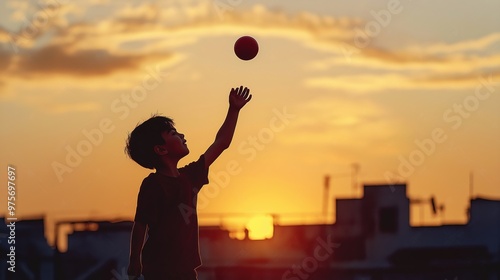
column 327, row 181
column 435, row 208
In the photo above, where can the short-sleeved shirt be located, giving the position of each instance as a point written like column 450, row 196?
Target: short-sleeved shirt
column 168, row 206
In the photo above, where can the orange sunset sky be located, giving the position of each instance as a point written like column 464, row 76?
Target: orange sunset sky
column 409, row 90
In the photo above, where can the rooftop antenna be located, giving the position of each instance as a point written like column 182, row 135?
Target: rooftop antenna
column 471, row 192
column 419, row 201
column 354, row 176
column 471, row 184
column 326, row 191
column 433, row 205
column 435, row 208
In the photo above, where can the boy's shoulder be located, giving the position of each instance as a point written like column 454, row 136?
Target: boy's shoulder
column 156, row 179
column 149, row 181
column 150, row 177
column 199, row 163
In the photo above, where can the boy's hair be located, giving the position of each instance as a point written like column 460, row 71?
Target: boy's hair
column 142, row 140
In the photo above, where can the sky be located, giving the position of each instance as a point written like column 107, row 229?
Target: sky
column 406, row 90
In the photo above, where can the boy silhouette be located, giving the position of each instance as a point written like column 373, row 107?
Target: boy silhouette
column 164, row 242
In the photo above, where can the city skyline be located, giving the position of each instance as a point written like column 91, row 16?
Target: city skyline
column 371, row 237
column 407, row 90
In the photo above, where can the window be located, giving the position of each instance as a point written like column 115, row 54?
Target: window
column 388, row 219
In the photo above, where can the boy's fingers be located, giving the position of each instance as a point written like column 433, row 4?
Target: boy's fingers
column 240, row 91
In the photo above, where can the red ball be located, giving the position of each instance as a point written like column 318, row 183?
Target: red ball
column 246, row 48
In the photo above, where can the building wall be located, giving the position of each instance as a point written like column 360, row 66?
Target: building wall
column 484, row 224
column 368, row 233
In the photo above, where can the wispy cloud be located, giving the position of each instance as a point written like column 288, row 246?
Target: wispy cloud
column 476, row 44
column 367, row 83
column 59, row 60
column 451, row 66
column 343, row 126
column 150, row 21
column 135, row 35
column 373, row 83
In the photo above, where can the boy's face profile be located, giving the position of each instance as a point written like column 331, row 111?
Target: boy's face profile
column 174, row 146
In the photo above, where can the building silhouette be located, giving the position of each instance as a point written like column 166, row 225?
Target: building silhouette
column 371, row 239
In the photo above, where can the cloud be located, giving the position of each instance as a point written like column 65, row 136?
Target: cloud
column 138, row 18
column 322, row 28
column 152, row 21
column 19, row 8
column 5, row 60
column 52, row 60
column 374, row 69
column 345, row 127
column 429, row 57
column 477, row 44
column 372, row 83
column 459, row 81
column 133, row 35
column 361, row 83
column 5, row 36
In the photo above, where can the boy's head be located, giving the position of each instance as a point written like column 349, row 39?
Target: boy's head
column 152, row 139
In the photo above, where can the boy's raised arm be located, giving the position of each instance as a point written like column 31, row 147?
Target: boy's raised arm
column 238, row 97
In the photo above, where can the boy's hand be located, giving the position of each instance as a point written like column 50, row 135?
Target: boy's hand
column 238, row 97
